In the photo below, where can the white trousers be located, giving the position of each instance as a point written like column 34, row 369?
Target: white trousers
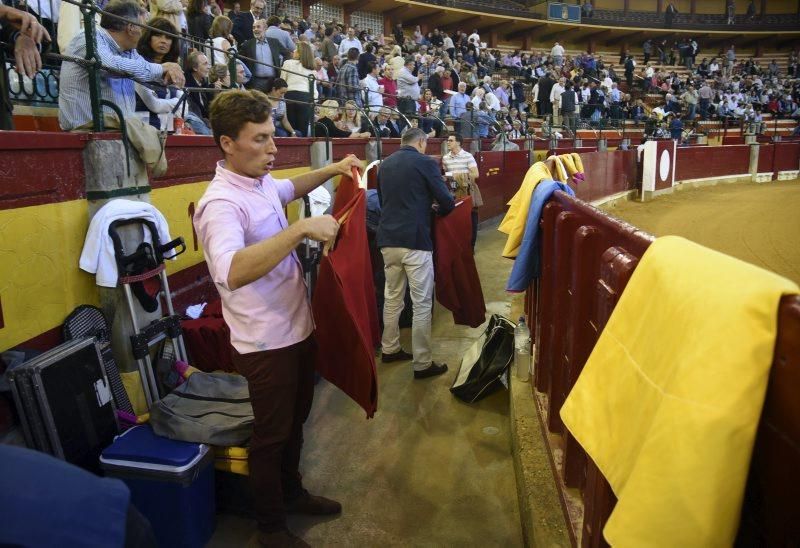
column 413, row 267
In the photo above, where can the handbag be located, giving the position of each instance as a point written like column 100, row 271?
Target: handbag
column 484, row 367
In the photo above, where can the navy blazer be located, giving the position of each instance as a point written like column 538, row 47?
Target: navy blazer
column 408, row 184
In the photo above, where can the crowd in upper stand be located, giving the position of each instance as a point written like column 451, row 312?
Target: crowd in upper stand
column 385, row 84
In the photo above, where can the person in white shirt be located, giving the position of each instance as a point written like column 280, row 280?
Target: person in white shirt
column 555, row 99
column 477, row 97
column 350, row 41
column 374, row 90
column 492, row 102
column 475, row 38
column 558, row 54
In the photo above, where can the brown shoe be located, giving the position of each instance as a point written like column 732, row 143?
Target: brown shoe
column 282, row 539
column 312, row 505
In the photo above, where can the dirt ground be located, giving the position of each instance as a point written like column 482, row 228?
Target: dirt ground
column 758, row 223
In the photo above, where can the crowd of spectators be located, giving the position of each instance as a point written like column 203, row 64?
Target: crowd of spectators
column 414, row 79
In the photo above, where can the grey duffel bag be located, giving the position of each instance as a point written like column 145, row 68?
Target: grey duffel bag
column 212, row 408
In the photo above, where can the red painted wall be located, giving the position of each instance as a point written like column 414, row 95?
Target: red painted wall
column 607, row 173
column 701, row 162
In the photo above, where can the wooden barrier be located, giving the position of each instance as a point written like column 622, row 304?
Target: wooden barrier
column 587, row 260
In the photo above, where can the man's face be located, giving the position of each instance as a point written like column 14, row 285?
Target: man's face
column 462, row 87
column 252, row 153
column 383, row 118
column 237, row 7
column 258, row 28
column 203, row 66
column 351, row 32
column 258, row 9
column 452, row 145
column 239, row 73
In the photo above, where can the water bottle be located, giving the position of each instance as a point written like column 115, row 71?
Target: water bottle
column 522, row 350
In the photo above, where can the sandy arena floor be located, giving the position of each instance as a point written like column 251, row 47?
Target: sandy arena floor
column 758, row 223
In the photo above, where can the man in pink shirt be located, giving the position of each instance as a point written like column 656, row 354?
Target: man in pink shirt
column 250, row 250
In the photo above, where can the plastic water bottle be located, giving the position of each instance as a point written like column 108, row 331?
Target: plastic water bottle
column 522, row 350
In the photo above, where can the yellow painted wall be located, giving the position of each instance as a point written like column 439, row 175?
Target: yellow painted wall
column 40, row 282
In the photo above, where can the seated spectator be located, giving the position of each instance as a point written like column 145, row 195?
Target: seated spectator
column 220, row 77
column 283, row 127
column 381, row 124
column 155, row 104
column 329, row 114
column 428, row 110
column 116, row 49
column 350, row 120
column 196, row 117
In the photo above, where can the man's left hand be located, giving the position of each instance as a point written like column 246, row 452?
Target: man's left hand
column 26, row 56
column 345, row 165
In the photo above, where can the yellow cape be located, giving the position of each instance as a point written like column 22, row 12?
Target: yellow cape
column 670, row 398
column 513, row 223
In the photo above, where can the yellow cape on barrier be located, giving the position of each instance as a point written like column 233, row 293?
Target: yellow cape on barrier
column 669, row 401
column 513, row 223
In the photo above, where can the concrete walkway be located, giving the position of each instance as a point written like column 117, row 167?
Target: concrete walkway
column 428, row 470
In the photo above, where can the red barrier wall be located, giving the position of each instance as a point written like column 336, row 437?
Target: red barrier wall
column 607, row 173
column 587, row 259
column 501, row 174
column 702, row 162
column 787, row 156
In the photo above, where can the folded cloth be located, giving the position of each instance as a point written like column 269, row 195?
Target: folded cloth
column 669, row 401
column 526, row 265
column 513, row 223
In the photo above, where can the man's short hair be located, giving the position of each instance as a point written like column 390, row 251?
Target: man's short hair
column 129, row 10
column 192, row 60
column 458, row 137
column 230, row 111
column 273, row 21
column 412, row 136
column 352, row 54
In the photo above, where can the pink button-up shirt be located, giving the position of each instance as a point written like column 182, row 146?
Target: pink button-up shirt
column 235, row 212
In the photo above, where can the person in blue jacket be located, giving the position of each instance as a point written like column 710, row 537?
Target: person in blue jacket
column 48, row 502
column 409, row 184
column 676, row 128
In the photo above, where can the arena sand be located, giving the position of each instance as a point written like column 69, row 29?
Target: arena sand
column 758, row 223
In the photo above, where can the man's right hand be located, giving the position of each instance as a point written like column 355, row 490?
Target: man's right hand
column 24, row 22
column 173, row 74
column 322, row 229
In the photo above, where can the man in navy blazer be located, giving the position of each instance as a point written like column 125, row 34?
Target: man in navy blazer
column 409, row 184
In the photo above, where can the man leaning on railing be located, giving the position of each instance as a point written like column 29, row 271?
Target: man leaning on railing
column 116, row 49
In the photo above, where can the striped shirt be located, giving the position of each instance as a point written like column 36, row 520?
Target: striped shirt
column 74, row 105
column 458, row 163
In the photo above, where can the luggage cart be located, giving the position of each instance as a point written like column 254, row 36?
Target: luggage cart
column 147, row 263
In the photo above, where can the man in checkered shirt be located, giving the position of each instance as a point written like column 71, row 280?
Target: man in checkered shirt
column 456, row 161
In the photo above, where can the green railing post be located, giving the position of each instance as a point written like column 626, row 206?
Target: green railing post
column 312, row 83
column 232, row 66
column 6, row 110
column 88, row 10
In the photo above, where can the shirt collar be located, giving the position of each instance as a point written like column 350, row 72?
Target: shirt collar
column 241, row 181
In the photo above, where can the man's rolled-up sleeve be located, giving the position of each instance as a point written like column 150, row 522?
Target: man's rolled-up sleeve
column 220, row 228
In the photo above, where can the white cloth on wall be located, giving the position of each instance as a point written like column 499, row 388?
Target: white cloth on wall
column 98, row 256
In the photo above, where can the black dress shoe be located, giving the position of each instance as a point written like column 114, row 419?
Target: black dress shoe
column 399, row 356
column 432, row 370
column 282, row 539
column 313, row 505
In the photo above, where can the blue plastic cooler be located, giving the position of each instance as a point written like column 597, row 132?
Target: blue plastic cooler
column 171, row 483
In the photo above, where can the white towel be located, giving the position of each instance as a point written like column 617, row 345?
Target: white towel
column 97, row 256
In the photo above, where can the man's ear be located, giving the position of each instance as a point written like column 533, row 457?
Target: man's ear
column 226, row 144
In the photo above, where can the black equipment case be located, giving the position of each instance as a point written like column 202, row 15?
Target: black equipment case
column 65, row 402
